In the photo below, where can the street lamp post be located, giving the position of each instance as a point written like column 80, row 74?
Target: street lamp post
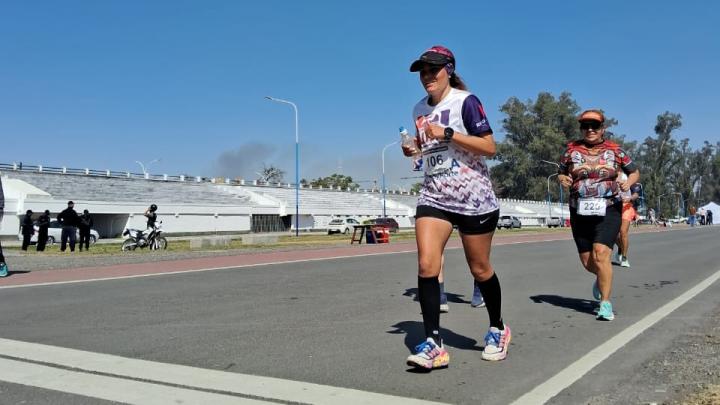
column 297, row 163
column 562, row 216
column 548, row 194
column 142, row 166
column 384, row 191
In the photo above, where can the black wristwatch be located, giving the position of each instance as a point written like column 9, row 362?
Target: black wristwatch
column 449, row 132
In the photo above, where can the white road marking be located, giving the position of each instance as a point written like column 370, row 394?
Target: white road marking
column 553, row 386
column 79, row 381
column 108, row 388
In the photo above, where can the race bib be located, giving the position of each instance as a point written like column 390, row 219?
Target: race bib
column 591, row 207
column 437, row 161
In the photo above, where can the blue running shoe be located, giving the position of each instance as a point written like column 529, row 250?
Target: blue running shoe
column 3, row 269
column 605, row 313
column 477, row 299
column 596, row 291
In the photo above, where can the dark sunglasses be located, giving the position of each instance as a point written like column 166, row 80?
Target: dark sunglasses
column 433, row 69
column 594, row 125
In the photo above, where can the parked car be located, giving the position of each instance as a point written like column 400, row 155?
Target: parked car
column 678, row 220
column 554, row 222
column 391, row 223
column 55, row 234
column 342, row 225
column 508, row 222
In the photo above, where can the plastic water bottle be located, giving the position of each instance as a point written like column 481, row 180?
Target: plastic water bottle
column 408, row 142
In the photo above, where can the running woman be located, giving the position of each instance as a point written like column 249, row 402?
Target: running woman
column 454, row 136
column 628, row 215
column 590, row 167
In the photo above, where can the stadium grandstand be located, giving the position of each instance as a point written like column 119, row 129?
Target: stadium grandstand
column 189, row 204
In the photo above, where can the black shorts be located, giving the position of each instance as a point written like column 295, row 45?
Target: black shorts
column 587, row 230
column 466, row 224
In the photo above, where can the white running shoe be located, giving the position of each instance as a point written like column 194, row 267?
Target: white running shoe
column 496, row 344
column 444, row 308
column 428, row 355
column 624, row 262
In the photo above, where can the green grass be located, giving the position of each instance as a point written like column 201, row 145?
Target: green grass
column 305, row 240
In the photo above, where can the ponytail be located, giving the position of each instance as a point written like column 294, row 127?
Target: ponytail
column 457, row 83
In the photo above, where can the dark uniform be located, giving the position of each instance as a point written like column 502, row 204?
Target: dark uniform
column 86, row 223
column 43, row 224
column 69, row 221
column 27, row 229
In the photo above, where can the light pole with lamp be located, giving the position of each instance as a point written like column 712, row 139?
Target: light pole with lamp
column 384, row 191
column 142, row 166
column 562, row 215
column 297, row 163
column 548, row 193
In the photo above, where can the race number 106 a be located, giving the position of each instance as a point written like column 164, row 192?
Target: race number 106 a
column 436, row 163
column 591, row 206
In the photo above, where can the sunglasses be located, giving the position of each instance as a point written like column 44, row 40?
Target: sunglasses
column 593, row 125
column 433, row 69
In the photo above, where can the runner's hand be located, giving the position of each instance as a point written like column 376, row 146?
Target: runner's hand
column 433, row 131
column 411, row 151
column 565, row 181
column 624, row 186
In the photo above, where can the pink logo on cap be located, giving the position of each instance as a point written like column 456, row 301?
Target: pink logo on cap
column 441, row 50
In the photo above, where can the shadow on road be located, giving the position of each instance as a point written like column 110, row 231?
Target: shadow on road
column 415, row 334
column 14, row 272
column 577, row 304
column 452, row 297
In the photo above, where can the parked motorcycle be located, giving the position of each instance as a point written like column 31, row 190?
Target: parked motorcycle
column 137, row 238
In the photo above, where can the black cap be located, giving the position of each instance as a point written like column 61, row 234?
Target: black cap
column 70, row 202
column 437, row 55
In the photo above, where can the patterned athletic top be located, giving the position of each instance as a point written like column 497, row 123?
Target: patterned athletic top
column 594, row 169
column 456, row 180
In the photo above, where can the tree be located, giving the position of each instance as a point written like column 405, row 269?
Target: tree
column 270, row 174
column 535, row 131
column 334, row 181
column 660, row 161
column 416, row 187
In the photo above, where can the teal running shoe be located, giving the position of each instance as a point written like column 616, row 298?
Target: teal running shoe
column 3, row 269
column 596, row 291
column 605, row 313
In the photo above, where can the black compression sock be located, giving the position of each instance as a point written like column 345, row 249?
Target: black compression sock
column 490, row 290
column 429, row 295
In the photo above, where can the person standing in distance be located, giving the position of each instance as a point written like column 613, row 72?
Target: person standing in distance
column 151, row 216
column 69, row 222
column 43, row 224
column 454, row 136
column 85, row 224
column 3, row 265
column 28, row 229
column 589, row 168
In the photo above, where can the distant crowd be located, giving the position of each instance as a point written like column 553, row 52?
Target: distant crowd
column 72, row 224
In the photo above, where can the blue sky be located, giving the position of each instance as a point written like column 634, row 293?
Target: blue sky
column 102, row 84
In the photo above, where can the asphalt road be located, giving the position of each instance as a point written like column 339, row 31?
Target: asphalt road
column 351, row 322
